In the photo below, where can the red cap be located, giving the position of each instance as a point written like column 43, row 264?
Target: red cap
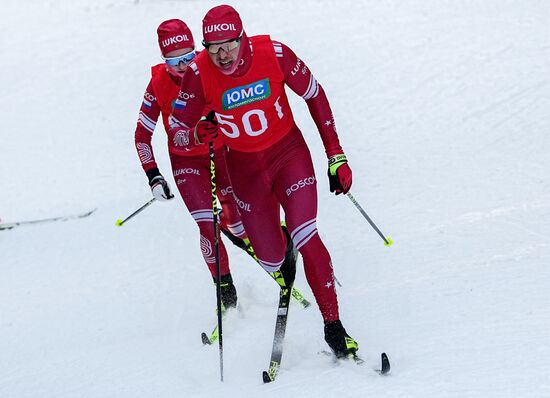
column 221, row 23
column 173, row 35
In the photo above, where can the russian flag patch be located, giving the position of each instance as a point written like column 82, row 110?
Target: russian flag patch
column 179, row 104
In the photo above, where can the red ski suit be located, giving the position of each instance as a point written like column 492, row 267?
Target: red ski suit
column 190, row 168
column 267, row 158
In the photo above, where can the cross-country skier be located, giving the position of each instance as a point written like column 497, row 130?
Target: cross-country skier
column 190, row 168
column 242, row 79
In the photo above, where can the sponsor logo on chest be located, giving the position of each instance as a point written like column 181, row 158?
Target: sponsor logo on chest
column 244, row 95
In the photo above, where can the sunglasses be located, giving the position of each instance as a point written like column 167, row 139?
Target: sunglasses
column 214, row 48
column 175, row 61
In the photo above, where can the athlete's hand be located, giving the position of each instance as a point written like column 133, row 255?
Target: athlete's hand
column 206, row 130
column 339, row 174
column 159, row 186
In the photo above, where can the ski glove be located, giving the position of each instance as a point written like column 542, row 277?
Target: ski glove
column 159, row 186
column 206, row 130
column 339, row 174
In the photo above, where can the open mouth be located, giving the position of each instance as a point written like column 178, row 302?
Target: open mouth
column 226, row 64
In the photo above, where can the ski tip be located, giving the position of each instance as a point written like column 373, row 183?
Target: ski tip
column 266, row 377
column 388, row 242
column 386, row 367
column 119, row 223
column 358, row 360
column 205, row 339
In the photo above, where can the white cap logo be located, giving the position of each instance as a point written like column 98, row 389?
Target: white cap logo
column 223, row 27
column 174, row 40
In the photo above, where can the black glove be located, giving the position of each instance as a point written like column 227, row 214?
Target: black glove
column 159, row 186
column 339, row 174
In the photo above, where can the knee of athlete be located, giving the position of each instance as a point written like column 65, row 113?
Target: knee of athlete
column 269, row 265
column 270, row 255
column 235, row 227
column 304, row 233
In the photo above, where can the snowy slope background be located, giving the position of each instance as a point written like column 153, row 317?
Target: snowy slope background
column 443, row 109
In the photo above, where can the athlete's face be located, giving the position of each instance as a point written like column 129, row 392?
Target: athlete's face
column 177, row 60
column 225, row 54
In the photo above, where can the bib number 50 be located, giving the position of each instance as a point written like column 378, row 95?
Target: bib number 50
column 231, row 129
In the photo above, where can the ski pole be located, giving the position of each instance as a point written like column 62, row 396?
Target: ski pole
column 120, row 223
column 216, row 250
column 387, row 240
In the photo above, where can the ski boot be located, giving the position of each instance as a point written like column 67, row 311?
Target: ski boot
column 288, row 268
column 229, row 301
column 341, row 344
column 229, row 293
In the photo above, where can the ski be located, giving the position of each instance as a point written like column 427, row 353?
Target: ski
column 45, row 220
column 296, row 294
column 278, row 338
column 276, row 276
column 213, row 337
column 385, row 366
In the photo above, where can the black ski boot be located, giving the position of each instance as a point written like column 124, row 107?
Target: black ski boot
column 288, row 268
column 229, row 293
column 341, row 344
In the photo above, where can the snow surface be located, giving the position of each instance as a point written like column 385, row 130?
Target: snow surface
column 443, row 109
